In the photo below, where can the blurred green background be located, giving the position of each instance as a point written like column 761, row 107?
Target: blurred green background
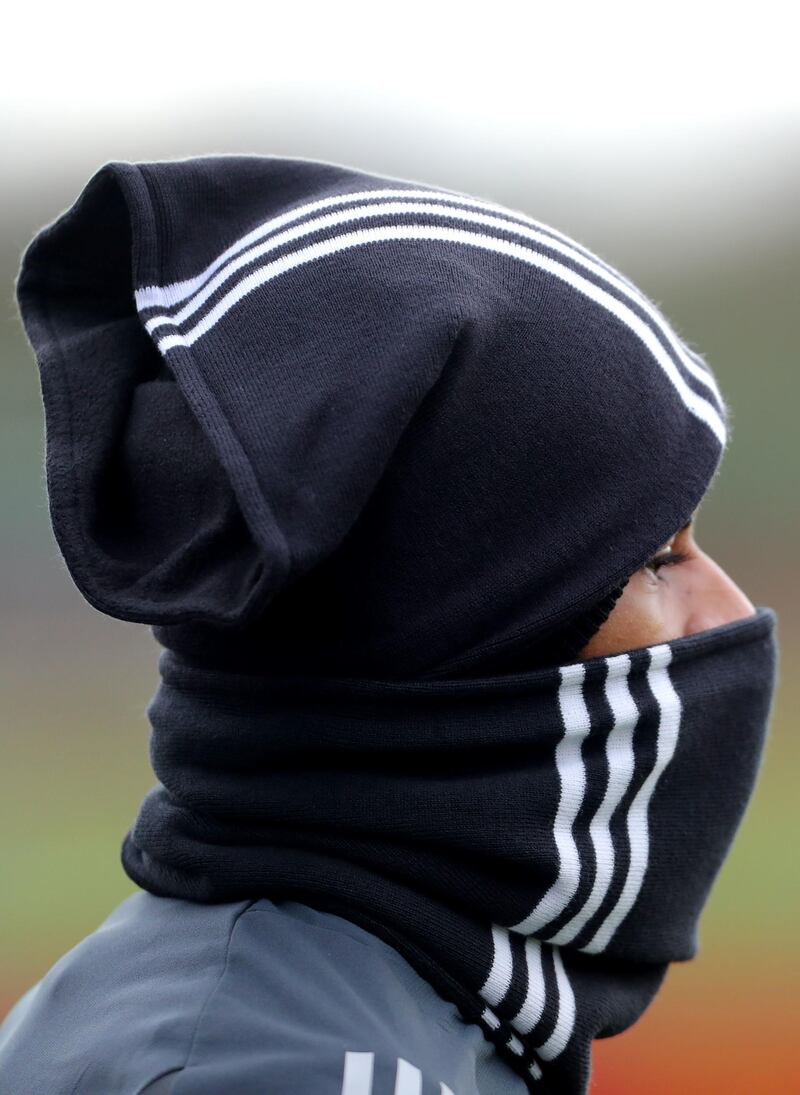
column 705, row 219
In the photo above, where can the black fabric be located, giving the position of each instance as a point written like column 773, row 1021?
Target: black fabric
column 561, row 644
column 441, row 814
column 355, row 447
column 436, row 428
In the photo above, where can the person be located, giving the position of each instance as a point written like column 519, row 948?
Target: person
column 456, row 721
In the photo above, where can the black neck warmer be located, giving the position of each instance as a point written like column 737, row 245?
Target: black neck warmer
column 357, row 448
column 589, row 808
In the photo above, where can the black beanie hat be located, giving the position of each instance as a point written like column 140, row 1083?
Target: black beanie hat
column 559, row 646
column 306, row 415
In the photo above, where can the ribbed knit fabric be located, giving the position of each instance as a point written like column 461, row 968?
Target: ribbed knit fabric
column 538, row 846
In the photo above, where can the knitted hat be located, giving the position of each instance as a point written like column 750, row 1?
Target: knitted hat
column 316, row 417
column 557, row 647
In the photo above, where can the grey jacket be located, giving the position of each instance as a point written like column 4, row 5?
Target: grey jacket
column 168, row 997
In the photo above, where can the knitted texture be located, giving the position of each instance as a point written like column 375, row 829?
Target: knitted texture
column 345, row 441
column 538, row 846
column 381, row 427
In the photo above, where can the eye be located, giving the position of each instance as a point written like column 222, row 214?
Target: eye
column 666, row 559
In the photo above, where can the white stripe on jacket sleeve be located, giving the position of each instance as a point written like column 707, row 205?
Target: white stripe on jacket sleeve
column 357, row 1078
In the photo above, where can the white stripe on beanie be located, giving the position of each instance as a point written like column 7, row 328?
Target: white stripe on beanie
column 695, row 403
column 148, row 297
column 169, row 295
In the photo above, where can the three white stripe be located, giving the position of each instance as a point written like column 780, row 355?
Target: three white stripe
column 620, row 757
column 168, row 296
column 621, row 761
column 505, row 219
column 670, row 708
column 150, row 296
column 498, row 983
column 358, row 1072
column 443, row 210
column 572, row 776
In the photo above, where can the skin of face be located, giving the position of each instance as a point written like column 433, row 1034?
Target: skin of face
column 665, row 602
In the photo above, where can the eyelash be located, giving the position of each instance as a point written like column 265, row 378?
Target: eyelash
column 666, row 559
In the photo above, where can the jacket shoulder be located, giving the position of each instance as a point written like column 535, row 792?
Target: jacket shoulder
column 253, row 998
column 122, row 1004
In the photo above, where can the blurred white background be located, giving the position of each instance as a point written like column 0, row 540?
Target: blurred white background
column 674, row 124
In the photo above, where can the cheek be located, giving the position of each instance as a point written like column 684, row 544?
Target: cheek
column 679, row 594
column 683, row 600
column 707, row 597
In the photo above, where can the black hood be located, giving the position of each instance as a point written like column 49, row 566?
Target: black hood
column 375, row 427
